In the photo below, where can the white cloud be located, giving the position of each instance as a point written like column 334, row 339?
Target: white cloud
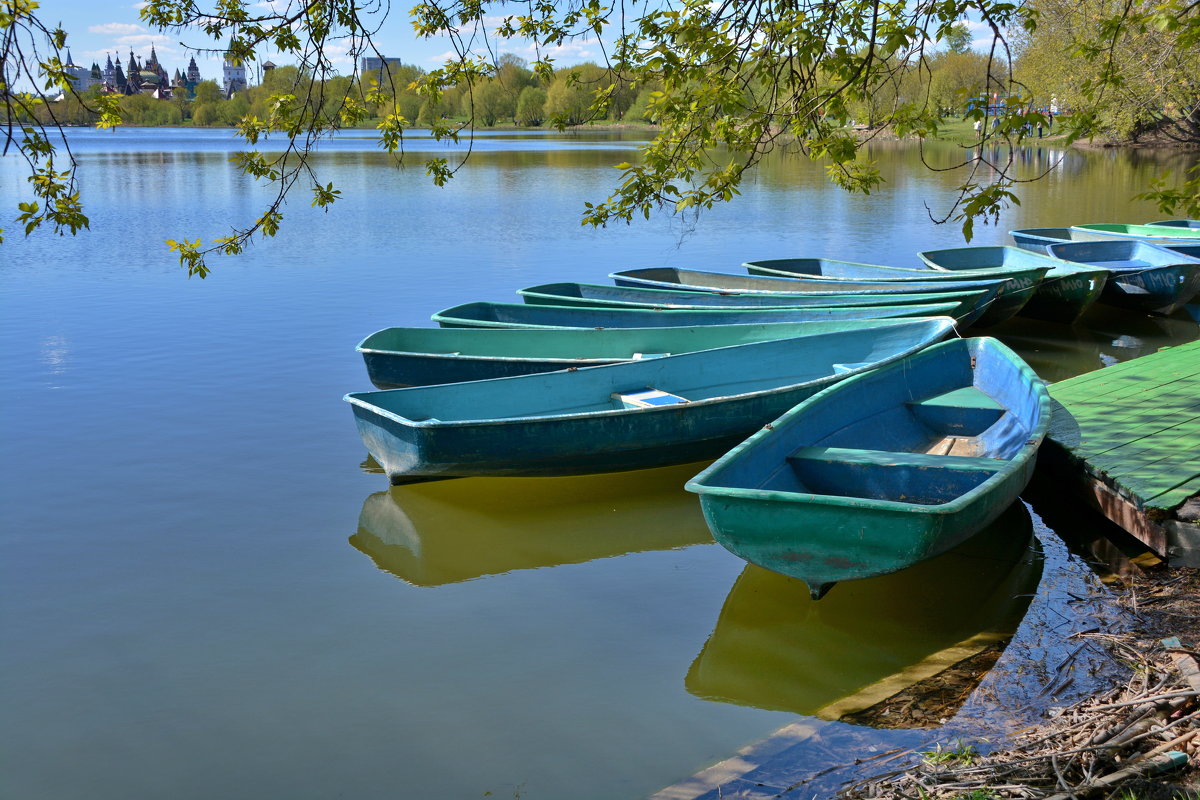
column 566, row 54
column 116, row 28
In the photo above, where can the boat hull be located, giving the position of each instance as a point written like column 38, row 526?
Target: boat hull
column 517, row 315
column 1149, row 232
column 1016, row 284
column 801, row 497
column 399, row 357
column 971, row 303
column 1142, row 276
column 1063, row 293
column 579, row 421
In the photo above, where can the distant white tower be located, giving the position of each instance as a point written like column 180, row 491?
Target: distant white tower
column 234, row 77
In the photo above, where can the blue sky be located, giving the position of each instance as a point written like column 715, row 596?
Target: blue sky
column 95, row 30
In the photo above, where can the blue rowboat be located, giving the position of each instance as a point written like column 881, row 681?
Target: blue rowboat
column 1015, row 282
column 649, row 413
column 1189, row 250
column 719, row 282
column 971, row 302
column 1143, row 276
column 1177, row 223
column 1065, row 291
column 398, row 357
column 884, row 470
column 1037, row 240
column 1154, row 232
column 517, row 315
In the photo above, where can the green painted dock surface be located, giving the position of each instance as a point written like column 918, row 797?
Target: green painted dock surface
column 1134, row 428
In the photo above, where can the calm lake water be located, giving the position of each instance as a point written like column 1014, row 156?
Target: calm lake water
column 206, row 593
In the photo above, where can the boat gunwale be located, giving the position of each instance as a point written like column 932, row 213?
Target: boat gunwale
column 944, row 326
column 970, row 284
column 438, row 317
column 974, row 294
column 1028, row 450
column 1186, row 237
column 1001, row 273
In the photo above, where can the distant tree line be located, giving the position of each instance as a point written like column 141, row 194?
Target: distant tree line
column 512, row 95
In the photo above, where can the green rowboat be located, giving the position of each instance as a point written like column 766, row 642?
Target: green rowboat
column 883, row 470
column 639, row 414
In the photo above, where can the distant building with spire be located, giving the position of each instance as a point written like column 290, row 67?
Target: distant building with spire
column 80, row 77
column 147, row 76
column 234, row 77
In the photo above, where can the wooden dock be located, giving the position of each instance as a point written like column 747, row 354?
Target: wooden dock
column 1127, row 437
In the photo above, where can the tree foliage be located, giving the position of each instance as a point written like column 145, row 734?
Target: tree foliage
column 726, row 82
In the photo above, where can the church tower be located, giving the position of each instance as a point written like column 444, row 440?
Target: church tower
column 133, row 77
column 234, row 77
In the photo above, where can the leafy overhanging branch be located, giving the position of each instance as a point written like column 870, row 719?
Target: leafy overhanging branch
column 728, row 82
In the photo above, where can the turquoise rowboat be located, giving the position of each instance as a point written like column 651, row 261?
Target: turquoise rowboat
column 517, row 315
column 1064, row 293
column 698, row 280
column 1189, row 250
column 971, row 302
column 399, row 357
column 1142, row 231
column 1017, row 284
column 648, row 413
column 1037, row 240
column 1143, row 276
column 884, row 470
column 1194, row 224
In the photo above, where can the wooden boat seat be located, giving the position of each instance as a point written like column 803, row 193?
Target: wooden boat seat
column 640, row 356
column 889, row 458
column 838, row 369
column 962, row 412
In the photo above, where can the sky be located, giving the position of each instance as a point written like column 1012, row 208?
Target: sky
column 96, row 30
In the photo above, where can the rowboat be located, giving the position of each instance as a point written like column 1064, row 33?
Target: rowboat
column 1177, row 223
column 1036, row 240
column 1014, row 288
column 1189, row 250
column 1065, row 291
column 1144, row 276
column 720, row 282
column 517, row 315
column 398, row 357
column 971, row 302
column 648, row 413
column 883, row 470
column 1143, row 231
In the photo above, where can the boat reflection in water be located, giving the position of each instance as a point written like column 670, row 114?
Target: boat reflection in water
column 429, row 534
column 773, row 647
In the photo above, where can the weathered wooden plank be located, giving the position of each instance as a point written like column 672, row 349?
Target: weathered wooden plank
column 1133, row 432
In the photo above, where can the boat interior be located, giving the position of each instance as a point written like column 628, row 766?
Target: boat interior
column 924, row 450
column 690, row 377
